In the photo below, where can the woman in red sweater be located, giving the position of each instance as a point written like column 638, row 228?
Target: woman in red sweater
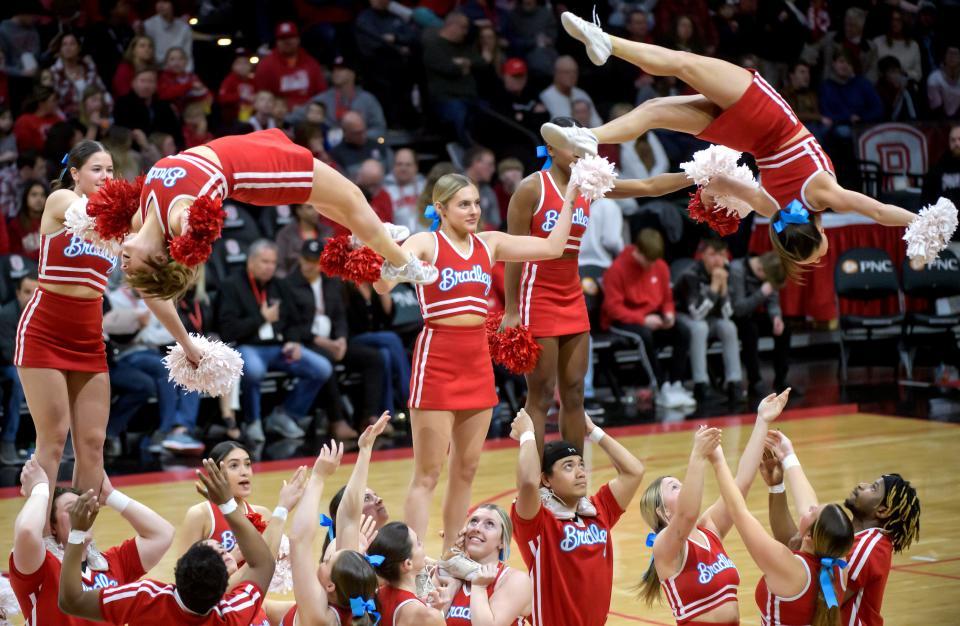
column 638, row 302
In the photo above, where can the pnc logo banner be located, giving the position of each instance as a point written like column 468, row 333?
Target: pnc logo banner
column 867, row 266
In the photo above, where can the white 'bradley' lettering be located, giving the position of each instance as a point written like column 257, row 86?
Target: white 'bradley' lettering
column 167, row 175
column 579, row 218
column 450, row 278
column 576, row 537
column 709, row 570
column 80, row 246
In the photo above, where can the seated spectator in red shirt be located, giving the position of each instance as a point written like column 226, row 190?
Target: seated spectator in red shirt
column 178, row 86
column 139, row 55
column 31, row 128
column 195, row 130
column 237, row 91
column 24, row 229
column 638, row 302
column 288, row 71
column 200, row 595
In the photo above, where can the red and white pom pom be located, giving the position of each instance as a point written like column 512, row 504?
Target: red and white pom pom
column 721, row 160
column 81, row 224
column 202, row 225
column 363, row 265
column 220, row 367
column 113, row 206
column 930, row 233
column 514, row 348
column 721, row 222
column 336, row 252
column 282, row 581
column 8, row 602
column 594, row 175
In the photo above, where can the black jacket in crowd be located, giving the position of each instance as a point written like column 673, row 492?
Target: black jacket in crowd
column 239, row 314
column 693, row 296
column 9, row 318
column 304, row 307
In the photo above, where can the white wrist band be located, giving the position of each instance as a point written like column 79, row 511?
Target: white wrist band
column 789, row 461
column 228, row 507
column 41, row 489
column 597, row 434
column 527, row 436
column 118, row 501
column 77, row 537
column 778, row 488
column 281, row 512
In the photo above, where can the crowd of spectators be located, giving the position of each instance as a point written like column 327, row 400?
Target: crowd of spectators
column 375, row 89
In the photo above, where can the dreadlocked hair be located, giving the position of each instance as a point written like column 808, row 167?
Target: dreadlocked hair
column 167, row 281
column 651, row 504
column 903, row 523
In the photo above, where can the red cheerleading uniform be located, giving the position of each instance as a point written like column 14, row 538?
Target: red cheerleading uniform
column 760, row 122
column 263, row 168
column 152, row 603
column 867, row 570
column 37, row 592
column 220, row 529
column 260, row 618
column 567, row 558
column 390, row 600
column 796, row 610
column 344, row 617
column 459, row 612
column 707, row 579
column 58, row 331
column 551, row 297
column 444, row 352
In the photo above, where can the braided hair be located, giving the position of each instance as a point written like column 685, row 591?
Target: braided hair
column 903, row 504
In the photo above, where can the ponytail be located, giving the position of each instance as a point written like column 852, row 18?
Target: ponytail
column 832, row 535
column 648, row 589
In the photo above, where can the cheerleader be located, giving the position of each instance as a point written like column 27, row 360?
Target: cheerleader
column 263, row 168
column 886, row 520
column 737, row 108
column 569, row 551
column 547, row 297
column 689, row 561
column 498, row 595
column 205, row 521
column 337, row 593
column 397, row 554
column 59, row 350
column 801, row 586
column 452, row 391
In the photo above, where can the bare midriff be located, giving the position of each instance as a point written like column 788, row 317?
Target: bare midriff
column 468, row 319
column 803, row 132
column 72, row 291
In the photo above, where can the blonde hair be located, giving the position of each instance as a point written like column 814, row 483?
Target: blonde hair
column 167, row 281
column 447, row 186
column 426, row 196
column 832, row 535
column 507, row 528
column 651, row 503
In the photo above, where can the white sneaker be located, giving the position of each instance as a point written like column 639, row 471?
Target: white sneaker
column 668, row 398
column 414, row 271
column 396, row 232
column 459, row 566
column 597, row 42
column 683, row 394
column 553, row 504
column 580, row 140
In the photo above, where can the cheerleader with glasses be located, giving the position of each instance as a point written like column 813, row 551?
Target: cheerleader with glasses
column 737, row 108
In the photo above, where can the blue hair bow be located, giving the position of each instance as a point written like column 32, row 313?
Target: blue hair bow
column 326, row 521
column 375, row 560
column 826, row 579
column 66, row 157
column 543, row 153
column 359, row 606
column 651, row 537
column 794, row 213
column 431, row 213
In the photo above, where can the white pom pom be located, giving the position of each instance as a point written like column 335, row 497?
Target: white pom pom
column 282, row 581
column 594, row 175
column 78, row 222
column 930, row 233
column 220, row 367
column 716, row 161
column 8, row 602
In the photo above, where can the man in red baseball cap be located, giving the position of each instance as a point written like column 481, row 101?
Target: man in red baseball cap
column 517, row 100
column 288, row 71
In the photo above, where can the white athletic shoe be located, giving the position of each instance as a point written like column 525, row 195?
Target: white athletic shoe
column 414, row 271
column 597, row 42
column 556, row 506
column 683, row 395
column 580, row 140
column 396, row 232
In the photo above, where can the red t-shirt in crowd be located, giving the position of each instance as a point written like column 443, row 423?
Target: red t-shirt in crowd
column 296, row 83
column 631, row 292
column 570, row 562
column 23, row 242
column 151, row 603
column 236, row 93
column 37, row 592
column 31, row 129
column 867, row 571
